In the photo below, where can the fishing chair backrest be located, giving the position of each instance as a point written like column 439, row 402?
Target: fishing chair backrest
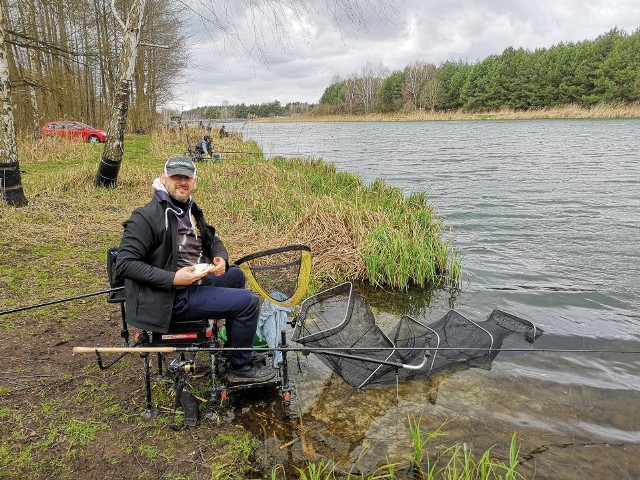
column 114, row 281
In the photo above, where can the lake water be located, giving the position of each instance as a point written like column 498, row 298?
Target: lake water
column 545, row 215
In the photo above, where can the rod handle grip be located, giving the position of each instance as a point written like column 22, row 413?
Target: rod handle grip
column 123, row 349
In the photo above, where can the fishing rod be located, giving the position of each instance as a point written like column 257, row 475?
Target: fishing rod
column 247, row 153
column 53, row 302
column 336, row 350
column 304, row 350
column 274, row 153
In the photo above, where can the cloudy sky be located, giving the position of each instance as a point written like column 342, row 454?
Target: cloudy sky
column 322, row 43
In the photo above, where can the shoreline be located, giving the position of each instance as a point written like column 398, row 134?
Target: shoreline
column 631, row 111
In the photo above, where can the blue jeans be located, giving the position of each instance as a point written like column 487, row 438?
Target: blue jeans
column 224, row 297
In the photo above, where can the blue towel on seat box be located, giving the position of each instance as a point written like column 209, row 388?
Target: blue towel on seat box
column 272, row 320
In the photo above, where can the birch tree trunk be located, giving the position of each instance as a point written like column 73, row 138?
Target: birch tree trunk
column 107, row 175
column 10, row 181
column 34, row 70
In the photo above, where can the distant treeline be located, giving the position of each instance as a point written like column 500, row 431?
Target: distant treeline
column 263, row 110
column 601, row 71
column 605, row 70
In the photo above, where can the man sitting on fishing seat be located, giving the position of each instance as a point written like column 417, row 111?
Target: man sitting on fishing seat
column 204, row 147
column 162, row 243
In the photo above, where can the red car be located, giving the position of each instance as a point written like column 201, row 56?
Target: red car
column 69, row 129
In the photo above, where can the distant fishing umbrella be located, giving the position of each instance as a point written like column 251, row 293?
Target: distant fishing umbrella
column 340, row 318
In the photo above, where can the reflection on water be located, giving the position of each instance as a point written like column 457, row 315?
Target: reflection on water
column 544, row 214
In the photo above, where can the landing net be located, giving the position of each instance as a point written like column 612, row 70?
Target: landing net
column 339, row 318
column 280, row 275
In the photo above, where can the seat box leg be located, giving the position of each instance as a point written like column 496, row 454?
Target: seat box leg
column 149, row 411
column 218, row 393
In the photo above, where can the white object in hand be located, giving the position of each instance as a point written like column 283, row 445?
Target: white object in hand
column 202, row 267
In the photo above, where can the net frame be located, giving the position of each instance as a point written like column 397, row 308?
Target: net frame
column 302, row 281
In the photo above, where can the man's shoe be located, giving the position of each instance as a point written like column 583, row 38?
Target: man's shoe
column 251, row 374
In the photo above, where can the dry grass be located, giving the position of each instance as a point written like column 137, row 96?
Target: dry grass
column 568, row 111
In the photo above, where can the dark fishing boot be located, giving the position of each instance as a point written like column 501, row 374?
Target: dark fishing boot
column 251, row 373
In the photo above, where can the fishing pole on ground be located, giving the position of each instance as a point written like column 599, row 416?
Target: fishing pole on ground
column 61, row 300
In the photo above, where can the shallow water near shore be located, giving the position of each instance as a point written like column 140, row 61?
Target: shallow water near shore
column 544, row 214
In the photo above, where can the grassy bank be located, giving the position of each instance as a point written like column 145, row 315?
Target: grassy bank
column 564, row 112
column 362, row 233
column 60, row 416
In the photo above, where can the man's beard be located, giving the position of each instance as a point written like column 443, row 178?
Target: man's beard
column 180, row 197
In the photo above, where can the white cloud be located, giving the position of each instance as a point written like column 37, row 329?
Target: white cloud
column 427, row 30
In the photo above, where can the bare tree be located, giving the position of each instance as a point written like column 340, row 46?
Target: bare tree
column 10, row 180
column 431, row 90
column 31, row 82
column 370, row 83
column 351, row 93
column 107, row 175
column 414, row 76
column 366, row 85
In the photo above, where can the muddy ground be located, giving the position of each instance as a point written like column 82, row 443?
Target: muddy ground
column 62, row 417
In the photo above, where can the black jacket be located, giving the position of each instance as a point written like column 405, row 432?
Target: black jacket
column 147, row 261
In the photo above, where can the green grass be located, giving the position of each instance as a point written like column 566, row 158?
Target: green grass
column 239, row 448
column 316, row 471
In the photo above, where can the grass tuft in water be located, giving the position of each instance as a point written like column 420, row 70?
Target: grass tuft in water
column 457, row 461
column 453, row 462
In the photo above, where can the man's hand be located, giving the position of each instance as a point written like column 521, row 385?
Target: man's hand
column 187, row 275
column 219, row 266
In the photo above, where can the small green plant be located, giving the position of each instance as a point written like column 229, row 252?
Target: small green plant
column 81, row 432
column 149, row 451
column 418, row 440
column 239, row 449
column 275, row 469
column 317, row 471
column 514, row 451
